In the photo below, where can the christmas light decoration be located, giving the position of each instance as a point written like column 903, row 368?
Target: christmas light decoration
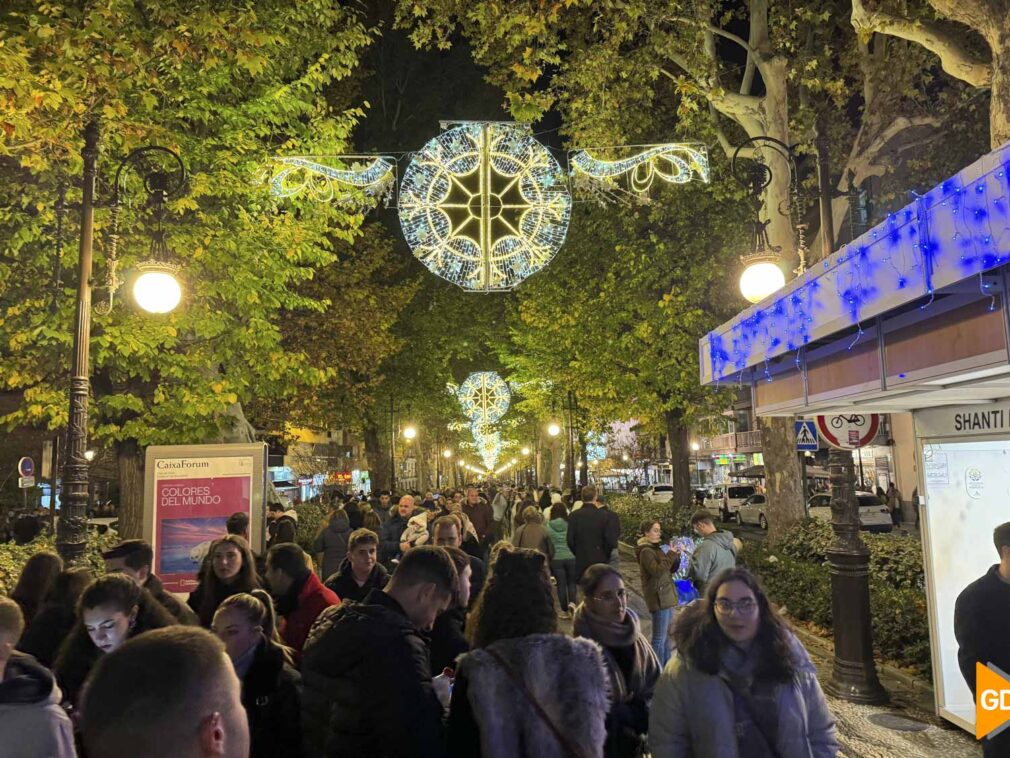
column 959, row 229
column 484, row 205
column 484, row 396
column 373, row 176
column 674, row 163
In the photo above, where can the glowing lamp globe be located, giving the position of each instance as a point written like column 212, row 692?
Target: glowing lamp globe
column 447, row 453
column 525, row 451
column 760, row 279
column 410, row 432
column 156, row 289
column 553, row 429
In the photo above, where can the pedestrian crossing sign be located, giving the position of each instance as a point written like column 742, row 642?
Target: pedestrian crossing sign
column 806, row 436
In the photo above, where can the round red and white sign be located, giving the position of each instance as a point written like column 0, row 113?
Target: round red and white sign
column 849, row 432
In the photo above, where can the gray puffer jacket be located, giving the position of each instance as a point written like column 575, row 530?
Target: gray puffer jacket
column 714, row 554
column 693, row 716
column 332, row 543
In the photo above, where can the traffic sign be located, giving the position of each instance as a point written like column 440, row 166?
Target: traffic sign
column 806, row 436
column 849, row 432
column 26, row 467
column 25, row 482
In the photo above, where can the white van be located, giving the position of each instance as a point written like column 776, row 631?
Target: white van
column 725, row 500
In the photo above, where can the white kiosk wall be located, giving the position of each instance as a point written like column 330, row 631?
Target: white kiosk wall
column 965, row 477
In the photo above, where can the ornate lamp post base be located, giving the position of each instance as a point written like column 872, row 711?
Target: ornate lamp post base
column 854, row 674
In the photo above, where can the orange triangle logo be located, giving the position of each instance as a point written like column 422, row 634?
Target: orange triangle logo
column 992, row 701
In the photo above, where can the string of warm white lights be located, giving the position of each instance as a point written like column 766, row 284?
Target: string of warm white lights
column 484, row 398
column 672, row 162
column 295, row 175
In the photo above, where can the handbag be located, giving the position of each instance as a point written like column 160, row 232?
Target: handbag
column 566, row 744
column 742, row 701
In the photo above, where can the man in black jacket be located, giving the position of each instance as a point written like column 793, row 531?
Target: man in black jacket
column 133, row 558
column 392, row 530
column 281, row 525
column 365, row 668
column 593, row 531
column 982, row 627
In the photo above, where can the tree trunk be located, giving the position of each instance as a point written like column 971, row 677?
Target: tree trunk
column 999, row 103
column 130, row 461
column 680, row 459
column 783, row 475
column 423, row 469
column 378, row 459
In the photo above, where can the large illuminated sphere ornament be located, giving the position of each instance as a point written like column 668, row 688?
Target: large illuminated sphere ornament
column 484, row 397
column 156, row 289
column 760, row 279
column 484, row 205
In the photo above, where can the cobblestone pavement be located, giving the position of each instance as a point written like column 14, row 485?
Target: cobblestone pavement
column 859, row 736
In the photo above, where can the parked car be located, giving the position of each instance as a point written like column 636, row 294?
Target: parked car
column 873, row 515
column 659, row 493
column 723, row 501
column 752, row 511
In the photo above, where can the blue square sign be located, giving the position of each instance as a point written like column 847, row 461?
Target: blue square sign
column 806, row 436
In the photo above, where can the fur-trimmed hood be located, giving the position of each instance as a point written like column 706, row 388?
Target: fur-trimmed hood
column 567, row 676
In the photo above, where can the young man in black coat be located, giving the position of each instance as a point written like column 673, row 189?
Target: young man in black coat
column 593, row 531
column 133, row 558
column 982, row 627
column 360, row 572
column 365, row 668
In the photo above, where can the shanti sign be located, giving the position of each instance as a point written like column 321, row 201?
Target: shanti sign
column 484, row 205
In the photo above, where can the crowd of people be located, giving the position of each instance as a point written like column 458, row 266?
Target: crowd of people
column 436, row 628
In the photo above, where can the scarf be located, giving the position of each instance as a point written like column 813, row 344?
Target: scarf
column 288, row 601
column 624, row 639
column 608, row 633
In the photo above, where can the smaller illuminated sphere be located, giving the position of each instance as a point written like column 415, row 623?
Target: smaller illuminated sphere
column 89, row 455
column 759, row 280
column 410, row 432
column 553, row 429
column 157, row 291
column 625, row 458
column 447, row 453
column 513, row 462
column 695, row 446
column 525, row 451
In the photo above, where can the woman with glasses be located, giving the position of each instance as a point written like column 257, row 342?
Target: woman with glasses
column 632, row 664
column 740, row 683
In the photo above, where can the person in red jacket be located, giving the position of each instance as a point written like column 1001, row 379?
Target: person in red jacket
column 299, row 595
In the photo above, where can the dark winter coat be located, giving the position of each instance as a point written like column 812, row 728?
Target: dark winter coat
column 31, row 720
column 713, row 555
column 489, row 717
column 367, row 685
column 78, row 653
column 478, row 575
column 221, row 592
column 447, row 640
column 332, row 543
column 389, row 539
column 183, row 613
column 354, row 515
column 300, row 607
column 481, row 516
column 271, row 695
column 346, row 587
column 51, row 625
column 535, row 537
column 657, row 570
column 592, row 535
column 982, row 624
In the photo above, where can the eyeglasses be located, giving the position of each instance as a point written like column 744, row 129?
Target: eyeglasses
column 610, row 597
column 744, row 607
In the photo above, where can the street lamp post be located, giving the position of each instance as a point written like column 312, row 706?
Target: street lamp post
column 71, row 531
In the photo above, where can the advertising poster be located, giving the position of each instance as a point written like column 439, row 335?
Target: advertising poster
column 193, row 498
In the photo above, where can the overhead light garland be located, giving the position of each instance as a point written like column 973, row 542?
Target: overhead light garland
column 484, row 398
column 373, row 176
column 673, row 163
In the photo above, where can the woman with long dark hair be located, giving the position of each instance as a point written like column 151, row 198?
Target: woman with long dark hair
column 271, row 687
column 56, row 617
column 36, row 578
column 112, row 610
column 524, row 690
column 604, row 617
column 740, row 684
column 657, row 568
column 229, row 569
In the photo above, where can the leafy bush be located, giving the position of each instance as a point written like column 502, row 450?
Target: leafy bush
column 796, row 575
column 632, row 510
column 310, row 515
column 13, row 557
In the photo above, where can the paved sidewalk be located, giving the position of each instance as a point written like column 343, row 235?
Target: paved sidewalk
column 861, row 737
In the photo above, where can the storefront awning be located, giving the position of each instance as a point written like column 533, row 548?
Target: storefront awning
column 758, row 472
column 909, row 315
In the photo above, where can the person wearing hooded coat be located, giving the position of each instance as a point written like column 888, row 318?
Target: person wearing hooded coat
column 331, row 543
column 42, row 638
column 31, row 720
column 632, row 665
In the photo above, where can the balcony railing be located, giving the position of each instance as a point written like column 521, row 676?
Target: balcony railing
column 733, row 442
column 748, row 442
